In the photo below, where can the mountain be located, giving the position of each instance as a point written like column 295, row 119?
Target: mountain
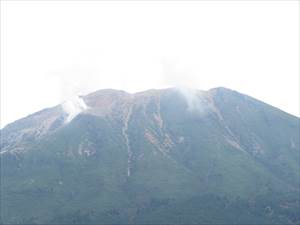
column 170, row 156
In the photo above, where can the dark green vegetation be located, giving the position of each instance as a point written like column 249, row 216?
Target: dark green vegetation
column 216, row 157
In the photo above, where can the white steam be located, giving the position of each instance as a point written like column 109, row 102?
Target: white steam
column 195, row 101
column 73, row 106
column 176, row 74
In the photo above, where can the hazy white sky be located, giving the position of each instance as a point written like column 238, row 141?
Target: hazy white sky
column 53, row 50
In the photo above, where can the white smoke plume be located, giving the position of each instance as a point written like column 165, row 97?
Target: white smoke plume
column 73, row 106
column 175, row 74
column 195, row 100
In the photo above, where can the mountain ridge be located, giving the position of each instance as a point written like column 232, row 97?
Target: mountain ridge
column 160, row 156
column 102, row 91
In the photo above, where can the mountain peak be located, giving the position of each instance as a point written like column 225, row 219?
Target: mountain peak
column 157, row 156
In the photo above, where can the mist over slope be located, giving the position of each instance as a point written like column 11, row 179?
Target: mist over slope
column 159, row 156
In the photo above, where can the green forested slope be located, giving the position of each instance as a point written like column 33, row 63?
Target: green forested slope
column 218, row 158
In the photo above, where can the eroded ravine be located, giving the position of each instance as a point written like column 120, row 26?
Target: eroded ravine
column 127, row 141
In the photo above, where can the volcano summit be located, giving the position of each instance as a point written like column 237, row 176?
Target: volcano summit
column 167, row 156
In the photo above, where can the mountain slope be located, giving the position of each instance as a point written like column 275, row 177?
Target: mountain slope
column 159, row 156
